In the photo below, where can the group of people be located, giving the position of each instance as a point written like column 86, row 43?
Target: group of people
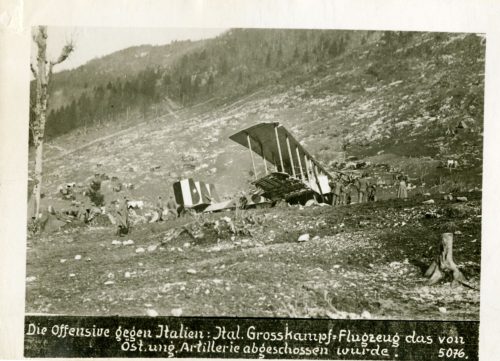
column 166, row 210
column 364, row 187
column 170, row 209
column 343, row 186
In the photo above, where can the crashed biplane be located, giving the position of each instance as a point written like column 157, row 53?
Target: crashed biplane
column 289, row 171
column 203, row 197
column 195, row 194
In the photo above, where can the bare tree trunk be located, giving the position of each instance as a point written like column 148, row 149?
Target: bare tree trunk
column 42, row 76
column 444, row 263
column 40, row 111
column 37, row 190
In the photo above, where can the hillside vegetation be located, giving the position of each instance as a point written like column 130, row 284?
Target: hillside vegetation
column 409, row 100
column 147, row 116
column 362, row 261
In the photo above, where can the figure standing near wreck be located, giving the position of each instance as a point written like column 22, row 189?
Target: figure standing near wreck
column 122, row 218
column 362, row 185
column 338, row 191
column 402, row 190
column 159, row 208
column 172, row 207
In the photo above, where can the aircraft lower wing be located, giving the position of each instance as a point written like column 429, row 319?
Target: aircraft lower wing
column 278, row 185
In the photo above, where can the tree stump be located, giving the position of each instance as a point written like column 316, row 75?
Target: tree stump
column 444, row 263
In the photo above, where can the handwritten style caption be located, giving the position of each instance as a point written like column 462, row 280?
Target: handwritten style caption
column 249, row 338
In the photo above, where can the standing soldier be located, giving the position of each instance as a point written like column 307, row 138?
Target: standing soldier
column 172, row 207
column 340, row 185
column 122, row 218
column 402, row 190
column 362, row 184
column 159, row 208
column 372, row 193
column 347, row 191
column 335, row 192
column 332, row 193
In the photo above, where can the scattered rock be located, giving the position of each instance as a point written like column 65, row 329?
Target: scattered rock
column 191, row 271
column 310, row 202
column 116, row 242
column 127, row 274
column 431, row 214
column 187, row 244
column 78, row 257
column 62, row 260
column 30, row 279
column 430, row 201
column 151, row 313
column 140, row 250
column 152, row 248
column 72, row 275
column 448, row 197
column 109, row 282
column 176, row 312
column 443, row 310
column 111, row 275
column 315, row 238
column 462, row 199
column 458, row 232
column 366, row 314
column 304, row 237
column 127, row 243
column 427, row 194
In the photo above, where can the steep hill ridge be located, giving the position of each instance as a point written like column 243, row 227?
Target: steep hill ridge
column 405, row 99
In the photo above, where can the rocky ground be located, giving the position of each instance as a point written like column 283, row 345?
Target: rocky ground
column 359, row 261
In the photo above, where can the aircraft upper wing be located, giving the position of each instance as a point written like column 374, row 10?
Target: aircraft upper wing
column 262, row 139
